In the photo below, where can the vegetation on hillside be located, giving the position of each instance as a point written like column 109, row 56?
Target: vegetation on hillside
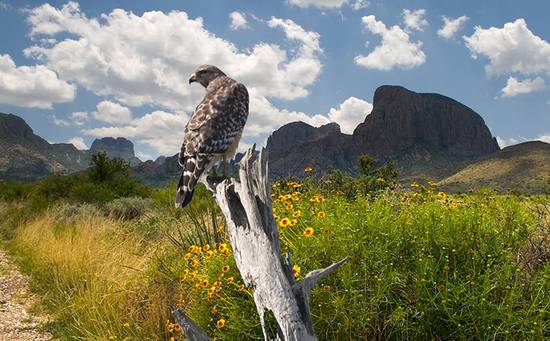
column 422, row 264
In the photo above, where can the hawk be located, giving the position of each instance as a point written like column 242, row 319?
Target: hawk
column 214, row 129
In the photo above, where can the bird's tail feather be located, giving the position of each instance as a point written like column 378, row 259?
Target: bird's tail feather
column 193, row 167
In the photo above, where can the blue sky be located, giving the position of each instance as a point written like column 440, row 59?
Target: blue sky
column 80, row 70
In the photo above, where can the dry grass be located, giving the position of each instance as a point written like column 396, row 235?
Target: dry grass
column 93, row 276
column 522, row 167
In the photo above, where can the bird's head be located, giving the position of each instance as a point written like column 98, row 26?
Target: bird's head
column 204, row 74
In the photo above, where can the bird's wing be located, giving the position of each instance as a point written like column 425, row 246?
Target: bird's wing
column 216, row 121
column 215, row 124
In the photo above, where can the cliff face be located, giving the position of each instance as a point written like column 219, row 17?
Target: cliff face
column 298, row 145
column 116, row 148
column 401, row 119
column 419, row 131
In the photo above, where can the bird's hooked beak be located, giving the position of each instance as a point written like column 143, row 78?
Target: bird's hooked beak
column 193, row 78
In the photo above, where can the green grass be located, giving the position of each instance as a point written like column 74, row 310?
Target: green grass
column 420, row 266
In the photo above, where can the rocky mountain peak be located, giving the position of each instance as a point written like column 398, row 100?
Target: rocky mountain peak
column 401, row 119
column 119, row 147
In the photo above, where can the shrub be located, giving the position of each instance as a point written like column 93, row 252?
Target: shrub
column 14, row 190
column 128, row 208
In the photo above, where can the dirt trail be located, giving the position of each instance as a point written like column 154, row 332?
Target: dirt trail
column 15, row 299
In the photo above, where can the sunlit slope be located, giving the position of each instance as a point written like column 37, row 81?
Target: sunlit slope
column 523, row 167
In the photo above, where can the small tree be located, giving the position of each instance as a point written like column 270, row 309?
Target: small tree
column 103, row 169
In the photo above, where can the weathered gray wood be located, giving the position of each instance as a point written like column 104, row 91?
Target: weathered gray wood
column 188, row 327
column 254, row 237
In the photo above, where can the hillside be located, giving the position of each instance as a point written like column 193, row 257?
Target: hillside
column 27, row 156
column 523, row 167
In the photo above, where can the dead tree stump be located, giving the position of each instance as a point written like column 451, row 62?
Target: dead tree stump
column 254, row 237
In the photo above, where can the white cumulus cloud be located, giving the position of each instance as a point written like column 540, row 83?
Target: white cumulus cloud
column 512, row 48
column 396, row 49
column 415, row 20
column 78, row 142
column 238, row 21
column 31, row 86
column 451, row 26
column 146, row 59
column 350, row 113
column 112, row 112
column 516, row 87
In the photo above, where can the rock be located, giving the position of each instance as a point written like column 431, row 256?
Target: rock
column 158, row 172
column 298, row 145
column 116, row 148
column 401, row 119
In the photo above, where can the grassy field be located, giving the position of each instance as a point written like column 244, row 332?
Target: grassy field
column 421, row 264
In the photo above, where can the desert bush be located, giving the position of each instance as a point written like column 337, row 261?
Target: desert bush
column 105, row 181
column 128, row 208
column 68, row 211
column 14, row 190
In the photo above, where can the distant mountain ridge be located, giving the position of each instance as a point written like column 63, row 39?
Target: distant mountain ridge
column 27, row 156
column 430, row 136
column 419, row 131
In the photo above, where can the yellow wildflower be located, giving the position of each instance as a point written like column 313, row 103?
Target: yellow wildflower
column 205, row 282
column 229, row 280
column 214, row 309
column 308, row 169
column 205, row 247
column 296, row 270
column 321, row 214
column 284, row 222
column 223, row 248
column 220, row 324
column 225, row 268
column 127, row 325
column 297, row 214
column 415, row 185
column 308, row 232
column 293, row 222
column 289, row 206
column 442, row 195
column 194, row 263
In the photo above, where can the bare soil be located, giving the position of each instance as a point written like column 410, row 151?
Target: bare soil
column 16, row 321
